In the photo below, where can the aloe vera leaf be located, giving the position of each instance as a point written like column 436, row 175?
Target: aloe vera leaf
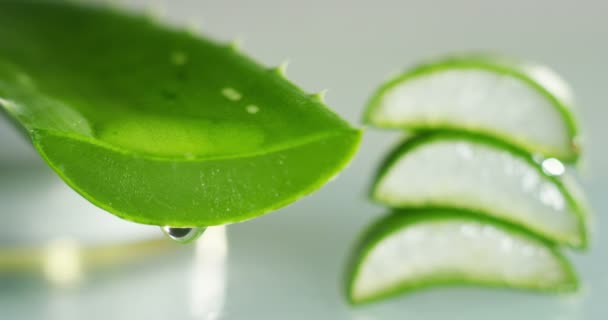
column 424, row 248
column 479, row 173
column 160, row 126
column 522, row 103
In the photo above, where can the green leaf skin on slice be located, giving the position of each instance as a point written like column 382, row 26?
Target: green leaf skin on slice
column 161, row 126
column 417, row 249
column 524, row 104
column 479, row 173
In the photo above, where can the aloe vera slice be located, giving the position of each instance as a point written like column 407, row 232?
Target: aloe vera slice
column 160, row 126
column 478, row 173
column 417, row 249
column 524, row 104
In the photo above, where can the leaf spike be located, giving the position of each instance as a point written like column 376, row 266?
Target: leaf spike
column 282, row 68
column 320, row 95
column 236, row 44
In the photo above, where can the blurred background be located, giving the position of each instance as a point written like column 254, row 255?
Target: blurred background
column 289, row 264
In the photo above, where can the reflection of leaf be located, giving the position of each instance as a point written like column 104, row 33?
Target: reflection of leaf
column 422, row 248
column 159, row 126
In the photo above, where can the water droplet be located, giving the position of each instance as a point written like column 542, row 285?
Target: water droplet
column 183, row 234
column 253, row 109
column 553, row 167
column 231, row 94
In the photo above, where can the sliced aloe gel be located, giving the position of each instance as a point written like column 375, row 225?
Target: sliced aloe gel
column 417, row 249
column 524, row 104
column 158, row 125
column 477, row 173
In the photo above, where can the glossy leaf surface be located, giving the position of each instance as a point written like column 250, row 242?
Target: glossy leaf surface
column 161, row 126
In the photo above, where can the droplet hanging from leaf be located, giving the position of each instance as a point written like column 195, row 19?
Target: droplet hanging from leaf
column 183, row 235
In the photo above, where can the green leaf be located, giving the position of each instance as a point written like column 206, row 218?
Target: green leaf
column 521, row 103
column 160, row 126
column 423, row 248
column 479, row 173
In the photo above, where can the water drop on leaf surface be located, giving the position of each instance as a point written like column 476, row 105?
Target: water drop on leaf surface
column 183, row 235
